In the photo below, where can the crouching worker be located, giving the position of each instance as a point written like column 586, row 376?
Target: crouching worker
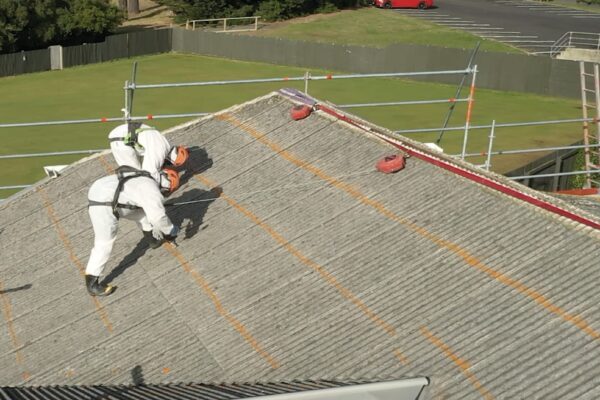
column 130, row 194
column 143, row 147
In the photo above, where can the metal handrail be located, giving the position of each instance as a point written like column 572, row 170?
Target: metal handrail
column 577, row 40
column 305, row 78
column 572, row 173
column 193, row 22
column 425, row 130
column 132, row 86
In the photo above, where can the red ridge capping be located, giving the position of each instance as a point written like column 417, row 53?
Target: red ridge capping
column 468, row 174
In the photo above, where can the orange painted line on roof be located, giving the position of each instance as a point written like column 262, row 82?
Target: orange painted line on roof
column 73, row 257
column 470, row 259
column 7, row 313
column 237, row 325
column 329, row 278
column 459, row 362
column 106, row 164
column 534, row 295
column 403, row 359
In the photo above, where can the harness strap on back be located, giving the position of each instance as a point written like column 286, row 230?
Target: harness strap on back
column 131, row 138
column 109, row 204
column 121, row 171
column 114, row 204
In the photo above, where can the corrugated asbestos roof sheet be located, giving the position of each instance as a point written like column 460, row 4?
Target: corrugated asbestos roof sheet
column 165, row 392
column 590, row 203
column 302, row 262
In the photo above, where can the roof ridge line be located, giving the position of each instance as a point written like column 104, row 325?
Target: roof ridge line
column 486, row 178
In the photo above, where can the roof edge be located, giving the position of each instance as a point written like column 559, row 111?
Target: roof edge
column 459, row 167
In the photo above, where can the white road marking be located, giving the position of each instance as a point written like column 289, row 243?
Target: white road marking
column 488, row 29
column 461, row 24
column 528, row 41
column 509, row 37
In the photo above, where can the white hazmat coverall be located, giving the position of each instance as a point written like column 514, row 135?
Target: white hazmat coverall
column 139, row 191
column 154, row 148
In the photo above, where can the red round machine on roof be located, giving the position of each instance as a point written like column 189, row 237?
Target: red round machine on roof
column 390, row 164
column 300, row 111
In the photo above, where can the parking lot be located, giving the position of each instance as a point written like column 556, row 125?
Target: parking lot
column 530, row 25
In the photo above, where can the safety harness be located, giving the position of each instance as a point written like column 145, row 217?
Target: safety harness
column 131, row 138
column 114, row 204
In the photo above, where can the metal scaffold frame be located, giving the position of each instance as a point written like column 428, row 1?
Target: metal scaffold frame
column 591, row 158
column 131, row 85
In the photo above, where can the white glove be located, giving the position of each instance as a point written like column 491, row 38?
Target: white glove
column 158, row 235
column 168, row 237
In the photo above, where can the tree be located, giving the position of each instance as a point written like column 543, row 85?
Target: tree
column 33, row 24
column 24, row 23
column 86, row 21
column 133, row 7
column 268, row 9
column 196, row 9
column 130, row 7
column 13, row 17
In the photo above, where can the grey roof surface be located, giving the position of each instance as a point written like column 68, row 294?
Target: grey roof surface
column 304, row 263
column 589, row 203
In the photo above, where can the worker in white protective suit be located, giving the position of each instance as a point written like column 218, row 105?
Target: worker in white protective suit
column 132, row 194
column 133, row 141
column 143, row 147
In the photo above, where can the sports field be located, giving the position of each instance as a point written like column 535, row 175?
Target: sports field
column 96, row 91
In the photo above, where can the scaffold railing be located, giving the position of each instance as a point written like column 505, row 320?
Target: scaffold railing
column 148, row 117
column 306, row 77
column 131, row 86
column 191, row 24
column 591, row 158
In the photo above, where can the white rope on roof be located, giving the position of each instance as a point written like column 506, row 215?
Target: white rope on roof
column 279, row 188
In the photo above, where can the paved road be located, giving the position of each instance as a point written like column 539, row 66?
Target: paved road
column 531, row 25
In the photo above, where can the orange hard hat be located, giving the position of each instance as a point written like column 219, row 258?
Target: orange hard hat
column 172, row 177
column 178, row 155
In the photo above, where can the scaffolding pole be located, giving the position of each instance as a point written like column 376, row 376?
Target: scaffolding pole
column 457, row 95
column 488, row 161
column 554, row 174
column 301, row 78
column 586, row 138
column 504, row 125
column 591, row 160
column 531, row 150
column 469, row 111
column 403, row 103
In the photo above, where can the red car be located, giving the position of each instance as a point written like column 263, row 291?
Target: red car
column 422, row 4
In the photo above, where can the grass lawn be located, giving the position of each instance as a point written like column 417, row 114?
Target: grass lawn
column 376, row 27
column 96, row 91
